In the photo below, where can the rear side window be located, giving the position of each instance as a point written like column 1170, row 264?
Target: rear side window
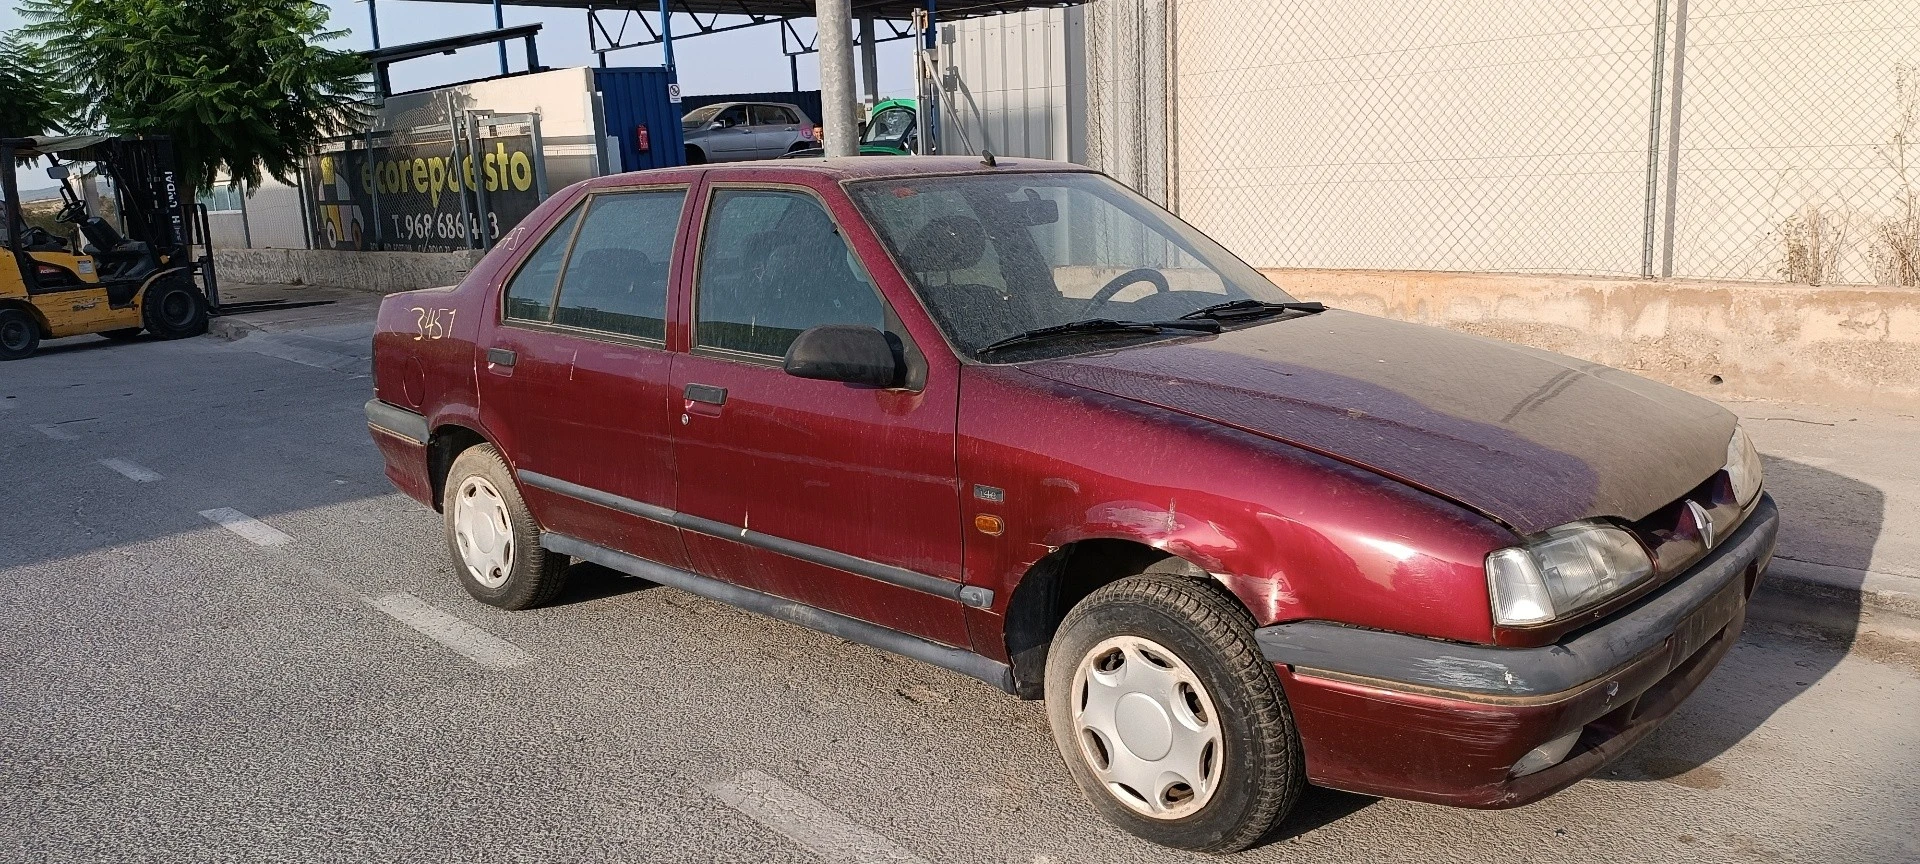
column 771, row 265
column 616, row 278
column 530, row 294
column 772, row 115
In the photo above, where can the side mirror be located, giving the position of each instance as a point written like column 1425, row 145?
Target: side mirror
column 850, row 353
column 719, row 124
column 58, row 172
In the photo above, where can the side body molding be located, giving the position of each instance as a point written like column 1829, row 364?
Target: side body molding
column 968, row 595
column 954, row 659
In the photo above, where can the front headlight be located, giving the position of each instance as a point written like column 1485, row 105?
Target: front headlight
column 1743, row 467
column 1573, row 567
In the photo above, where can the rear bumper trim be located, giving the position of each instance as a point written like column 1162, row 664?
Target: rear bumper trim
column 397, row 421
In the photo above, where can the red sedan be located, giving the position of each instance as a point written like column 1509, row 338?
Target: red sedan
column 1018, row 422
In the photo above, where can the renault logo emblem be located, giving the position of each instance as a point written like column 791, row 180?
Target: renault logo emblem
column 1703, row 522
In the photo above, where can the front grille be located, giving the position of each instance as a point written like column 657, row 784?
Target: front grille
column 1674, row 533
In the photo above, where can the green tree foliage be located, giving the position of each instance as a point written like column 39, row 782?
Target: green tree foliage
column 34, row 100
column 236, row 83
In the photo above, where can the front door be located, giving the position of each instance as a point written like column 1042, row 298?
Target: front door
column 735, row 139
column 780, row 474
column 574, row 379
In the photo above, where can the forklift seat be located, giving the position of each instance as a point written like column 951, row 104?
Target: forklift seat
column 117, row 255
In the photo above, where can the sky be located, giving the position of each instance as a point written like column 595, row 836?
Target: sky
column 742, row 61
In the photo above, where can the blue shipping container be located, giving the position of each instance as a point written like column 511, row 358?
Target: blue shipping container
column 635, row 98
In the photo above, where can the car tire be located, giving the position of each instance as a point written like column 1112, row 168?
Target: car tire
column 19, row 334
column 696, row 156
column 493, row 539
column 1157, row 676
column 124, row 334
column 174, row 308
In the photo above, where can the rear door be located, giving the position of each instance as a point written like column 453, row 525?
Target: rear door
column 838, row 496
column 575, row 372
column 775, row 128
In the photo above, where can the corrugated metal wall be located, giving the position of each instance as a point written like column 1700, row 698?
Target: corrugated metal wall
column 1015, row 84
column 637, row 96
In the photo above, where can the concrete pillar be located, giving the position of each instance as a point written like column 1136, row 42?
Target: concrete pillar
column 835, row 21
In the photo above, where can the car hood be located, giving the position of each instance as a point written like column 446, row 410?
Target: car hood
column 1527, row 437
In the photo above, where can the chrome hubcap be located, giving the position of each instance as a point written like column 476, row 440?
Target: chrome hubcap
column 1147, row 727
column 483, row 531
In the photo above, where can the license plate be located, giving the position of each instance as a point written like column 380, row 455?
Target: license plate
column 1705, row 621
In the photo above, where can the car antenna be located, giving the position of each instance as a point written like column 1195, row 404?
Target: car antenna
column 986, row 158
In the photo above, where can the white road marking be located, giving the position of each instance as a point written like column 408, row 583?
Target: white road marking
column 809, row 823
column 255, row 531
column 131, row 470
column 55, row 432
column 462, row 638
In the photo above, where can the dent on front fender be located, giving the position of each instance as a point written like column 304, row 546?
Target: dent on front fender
column 1292, row 534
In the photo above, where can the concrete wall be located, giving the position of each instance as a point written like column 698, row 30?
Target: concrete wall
column 1847, row 346
column 383, row 272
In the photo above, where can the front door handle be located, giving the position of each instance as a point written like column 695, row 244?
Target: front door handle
column 707, row 393
column 501, row 357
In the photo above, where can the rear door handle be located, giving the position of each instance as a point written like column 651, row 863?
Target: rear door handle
column 501, row 357
column 706, row 393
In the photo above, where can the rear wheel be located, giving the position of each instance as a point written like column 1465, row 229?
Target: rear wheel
column 19, row 334
column 1168, row 717
column 174, row 308
column 494, row 542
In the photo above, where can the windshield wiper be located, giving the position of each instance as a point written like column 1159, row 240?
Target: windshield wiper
column 1250, row 308
column 1097, row 325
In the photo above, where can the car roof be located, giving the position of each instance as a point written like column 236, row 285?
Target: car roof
column 861, row 168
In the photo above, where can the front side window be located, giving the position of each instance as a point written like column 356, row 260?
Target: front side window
column 771, row 115
column 772, row 264
column 530, row 294
column 616, row 278
column 996, row 255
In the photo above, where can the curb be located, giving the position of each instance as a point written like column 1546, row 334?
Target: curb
column 1862, row 589
column 1838, row 602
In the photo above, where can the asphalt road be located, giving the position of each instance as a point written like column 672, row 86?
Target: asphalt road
column 224, row 637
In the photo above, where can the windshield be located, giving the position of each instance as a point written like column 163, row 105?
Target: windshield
column 701, row 116
column 997, row 255
column 892, row 124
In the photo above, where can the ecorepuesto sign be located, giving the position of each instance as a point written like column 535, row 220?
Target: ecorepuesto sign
column 420, row 197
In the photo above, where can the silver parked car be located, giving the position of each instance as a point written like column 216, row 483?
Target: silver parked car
column 732, row 131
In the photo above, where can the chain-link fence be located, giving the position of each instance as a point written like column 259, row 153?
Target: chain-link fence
column 1129, row 93
column 1733, row 139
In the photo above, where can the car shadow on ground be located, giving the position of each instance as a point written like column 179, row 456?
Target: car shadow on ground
column 1824, row 516
column 587, row 582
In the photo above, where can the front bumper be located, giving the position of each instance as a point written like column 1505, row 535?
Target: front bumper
column 1410, row 717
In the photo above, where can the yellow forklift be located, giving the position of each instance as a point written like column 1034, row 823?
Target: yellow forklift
column 114, row 284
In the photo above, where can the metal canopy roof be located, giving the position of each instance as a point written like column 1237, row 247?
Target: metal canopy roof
column 894, row 10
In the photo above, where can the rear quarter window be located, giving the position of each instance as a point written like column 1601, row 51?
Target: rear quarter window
column 530, row 294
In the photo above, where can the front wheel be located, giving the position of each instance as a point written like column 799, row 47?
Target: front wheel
column 1168, row 717
column 174, row 308
column 19, row 334
column 493, row 538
